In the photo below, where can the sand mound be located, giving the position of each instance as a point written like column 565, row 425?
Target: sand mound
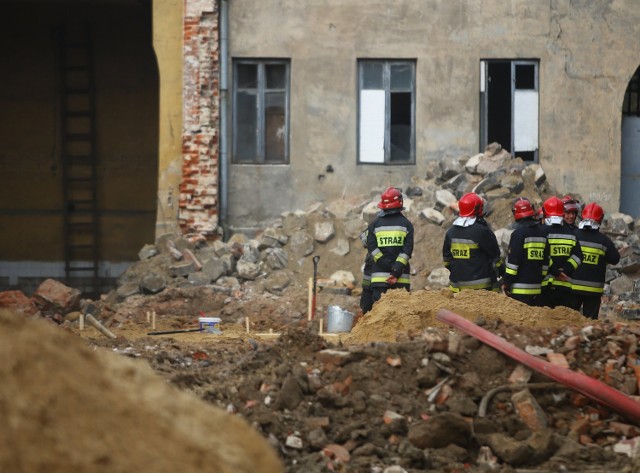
column 67, row 408
column 400, row 313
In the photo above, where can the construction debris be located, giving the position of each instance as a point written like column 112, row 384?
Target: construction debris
column 402, row 392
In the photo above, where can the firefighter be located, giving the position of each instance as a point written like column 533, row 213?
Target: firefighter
column 390, row 243
column 598, row 251
column 470, row 250
column 571, row 210
column 565, row 253
column 527, row 257
column 366, row 298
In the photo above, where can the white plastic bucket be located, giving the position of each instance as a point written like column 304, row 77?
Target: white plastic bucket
column 209, row 324
column 338, row 320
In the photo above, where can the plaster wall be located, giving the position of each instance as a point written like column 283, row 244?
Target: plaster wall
column 167, row 44
column 587, row 52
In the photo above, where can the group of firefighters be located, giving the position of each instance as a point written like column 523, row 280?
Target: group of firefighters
column 551, row 260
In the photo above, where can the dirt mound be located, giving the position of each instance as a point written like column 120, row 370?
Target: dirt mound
column 400, row 314
column 68, row 408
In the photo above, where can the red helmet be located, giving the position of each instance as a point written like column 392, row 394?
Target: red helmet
column 553, row 207
column 522, row 208
column 391, row 199
column 593, row 211
column 471, row 205
column 570, row 204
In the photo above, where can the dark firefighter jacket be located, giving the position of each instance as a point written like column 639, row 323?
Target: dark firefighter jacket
column 527, row 258
column 472, row 255
column 597, row 251
column 565, row 253
column 368, row 260
column 390, row 243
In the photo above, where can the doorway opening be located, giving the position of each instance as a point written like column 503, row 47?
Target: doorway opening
column 509, row 106
column 79, row 141
column 630, row 149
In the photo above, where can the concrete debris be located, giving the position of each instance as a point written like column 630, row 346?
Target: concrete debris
column 412, row 405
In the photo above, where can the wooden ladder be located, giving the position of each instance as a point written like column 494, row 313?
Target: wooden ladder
column 79, row 159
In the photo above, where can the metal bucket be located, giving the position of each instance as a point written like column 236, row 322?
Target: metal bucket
column 338, row 320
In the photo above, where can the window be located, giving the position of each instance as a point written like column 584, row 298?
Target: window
column 261, row 111
column 386, row 131
column 509, row 106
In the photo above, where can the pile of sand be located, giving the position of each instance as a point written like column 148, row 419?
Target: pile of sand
column 67, row 408
column 399, row 313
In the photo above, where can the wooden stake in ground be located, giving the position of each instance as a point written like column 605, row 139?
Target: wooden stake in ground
column 148, row 316
column 310, row 299
column 321, row 324
column 246, row 323
column 153, row 320
column 81, row 322
column 91, row 320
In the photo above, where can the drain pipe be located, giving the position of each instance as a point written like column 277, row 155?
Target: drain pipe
column 224, row 88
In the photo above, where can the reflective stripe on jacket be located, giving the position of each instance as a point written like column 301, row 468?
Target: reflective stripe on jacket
column 598, row 250
column 527, row 258
column 565, row 253
column 472, row 256
column 390, row 243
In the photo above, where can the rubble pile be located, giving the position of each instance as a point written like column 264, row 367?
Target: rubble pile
column 437, row 401
column 279, row 256
column 401, row 393
column 277, row 262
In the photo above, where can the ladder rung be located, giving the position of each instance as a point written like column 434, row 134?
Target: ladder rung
column 77, row 67
column 79, row 158
column 80, row 225
column 77, row 90
column 78, row 136
column 80, row 247
column 83, row 268
column 78, row 113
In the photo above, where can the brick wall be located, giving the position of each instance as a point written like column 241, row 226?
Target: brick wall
column 199, row 187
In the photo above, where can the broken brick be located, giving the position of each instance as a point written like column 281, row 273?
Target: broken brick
column 18, row 302
column 581, row 426
column 624, row 429
column 521, row 374
column 394, row 361
column 529, row 410
column 390, row 416
column 337, row 452
column 558, row 359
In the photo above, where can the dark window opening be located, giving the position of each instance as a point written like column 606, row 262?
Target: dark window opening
column 525, row 76
column 499, row 105
column 631, row 104
column 400, row 126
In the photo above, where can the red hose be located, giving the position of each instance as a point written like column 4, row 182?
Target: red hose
column 590, row 387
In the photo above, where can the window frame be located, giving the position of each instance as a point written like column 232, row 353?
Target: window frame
column 387, row 64
column 260, row 91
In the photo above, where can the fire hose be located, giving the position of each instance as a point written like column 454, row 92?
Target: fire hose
column 590, row 387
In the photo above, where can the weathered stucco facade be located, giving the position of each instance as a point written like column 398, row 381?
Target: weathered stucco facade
column 171, row 145
column 586, row 53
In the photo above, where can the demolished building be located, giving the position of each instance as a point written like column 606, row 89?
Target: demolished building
column 136, row 119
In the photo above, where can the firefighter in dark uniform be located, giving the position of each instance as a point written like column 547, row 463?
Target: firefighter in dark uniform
column 366, row 298
column 565, row 253
column 571, row 211
column 527, row 257
column 470, row 250
column 598, row 250
column 390, row 243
